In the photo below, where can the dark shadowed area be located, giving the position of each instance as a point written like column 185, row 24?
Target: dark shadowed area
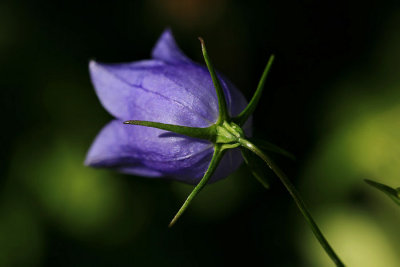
column 332, row 98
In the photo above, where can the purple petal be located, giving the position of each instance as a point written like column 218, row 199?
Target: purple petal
column 154, row 91
column 168, row 51
column 151, row 90
column 145, row 151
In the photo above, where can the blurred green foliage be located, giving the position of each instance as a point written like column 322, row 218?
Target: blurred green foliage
column 332, row 98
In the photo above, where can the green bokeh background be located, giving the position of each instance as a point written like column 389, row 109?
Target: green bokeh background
column 332, row 99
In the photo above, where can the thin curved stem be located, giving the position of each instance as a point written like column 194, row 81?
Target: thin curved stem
column 296, row 196
column 394, row 194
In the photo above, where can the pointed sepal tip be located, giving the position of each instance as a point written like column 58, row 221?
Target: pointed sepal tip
column 223, row 110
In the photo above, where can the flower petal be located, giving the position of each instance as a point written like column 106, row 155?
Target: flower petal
column 147, row 151
column 157, row 90
column 167, row 50
column 152, row 90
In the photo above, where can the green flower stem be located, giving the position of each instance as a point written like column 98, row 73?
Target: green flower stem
column 296, row 196
column 217, row 156
column 223, row 110
column 245, row 114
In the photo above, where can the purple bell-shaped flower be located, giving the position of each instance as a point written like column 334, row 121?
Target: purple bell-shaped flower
column 187, row 123
column 169, row 88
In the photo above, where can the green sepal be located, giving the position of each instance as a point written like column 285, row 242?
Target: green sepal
column 267, row 146
column 208, row 133
column 223, row 110
column 393, row 193
column 245, row 114
column 257, row 167
column 219, row 152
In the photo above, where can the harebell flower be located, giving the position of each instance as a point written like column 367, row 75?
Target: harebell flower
column 182, row 120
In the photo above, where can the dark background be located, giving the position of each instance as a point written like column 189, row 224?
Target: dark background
column 332, row 99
